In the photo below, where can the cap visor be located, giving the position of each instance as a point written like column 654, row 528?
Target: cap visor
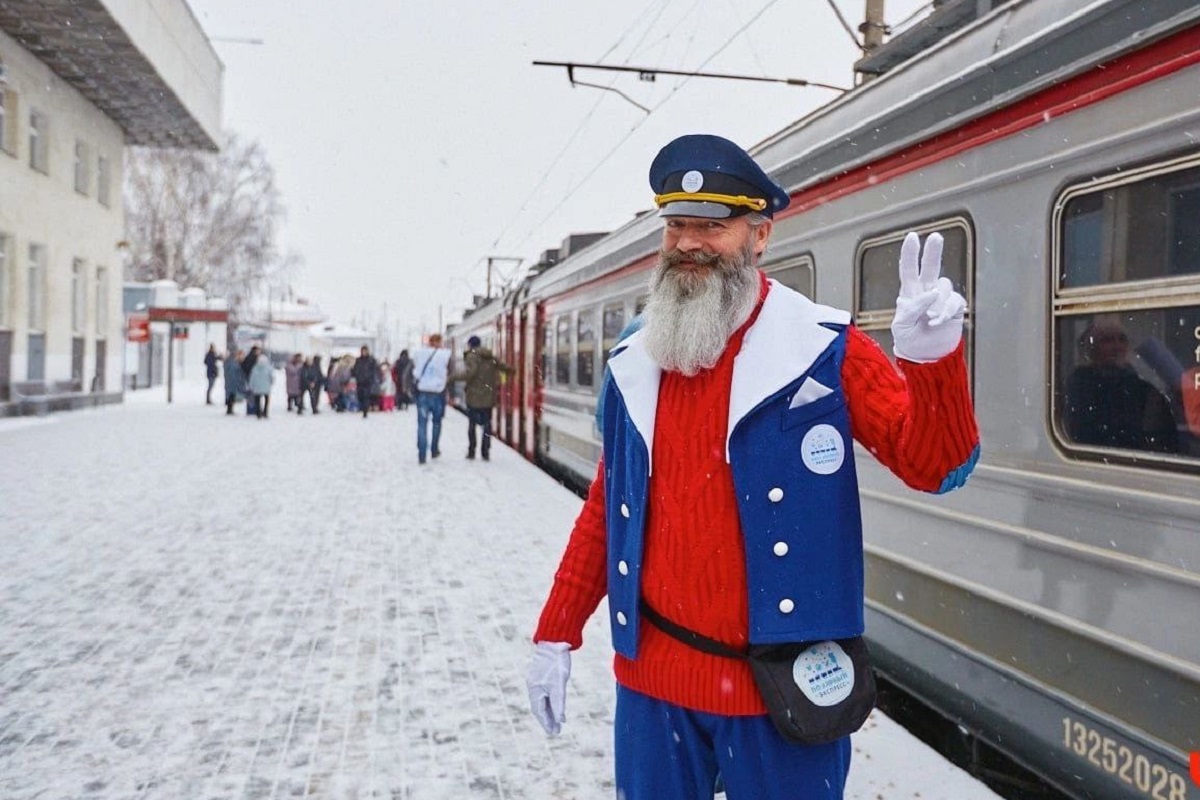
column 684, row 208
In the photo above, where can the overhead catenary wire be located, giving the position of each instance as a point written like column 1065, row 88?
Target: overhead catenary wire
column 846, row 25
column 587, row 118
column 571, row 192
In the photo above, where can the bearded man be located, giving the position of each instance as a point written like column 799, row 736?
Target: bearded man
column 724, row 518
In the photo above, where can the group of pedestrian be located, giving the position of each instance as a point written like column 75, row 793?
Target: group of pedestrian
column 364, row 384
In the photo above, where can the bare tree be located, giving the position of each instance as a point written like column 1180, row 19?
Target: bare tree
column 207, row 220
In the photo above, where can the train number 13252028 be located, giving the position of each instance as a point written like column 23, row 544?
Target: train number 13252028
column 1150, row 778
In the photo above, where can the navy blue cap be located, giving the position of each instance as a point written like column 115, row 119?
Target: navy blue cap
column 706, row 176
column 473, row 341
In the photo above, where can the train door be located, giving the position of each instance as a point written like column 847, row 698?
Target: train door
column 537, row 369
column 519, row 380
column 506, row 394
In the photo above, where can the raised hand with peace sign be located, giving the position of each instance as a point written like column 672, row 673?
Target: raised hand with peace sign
column 929, row 313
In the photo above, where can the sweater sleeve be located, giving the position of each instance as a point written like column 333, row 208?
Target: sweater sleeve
column 581, row 580
column 918, row 421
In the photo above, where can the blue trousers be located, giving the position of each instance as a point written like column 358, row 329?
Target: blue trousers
column 665, row 752
column 429, row 405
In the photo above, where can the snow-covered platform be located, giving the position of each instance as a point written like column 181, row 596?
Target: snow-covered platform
column 201, row 606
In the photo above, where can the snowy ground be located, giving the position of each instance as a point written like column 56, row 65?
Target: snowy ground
column 200, row 606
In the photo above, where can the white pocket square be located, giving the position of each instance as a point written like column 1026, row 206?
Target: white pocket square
column 808, row 392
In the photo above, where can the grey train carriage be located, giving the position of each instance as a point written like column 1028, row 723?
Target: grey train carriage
column 1049, row 607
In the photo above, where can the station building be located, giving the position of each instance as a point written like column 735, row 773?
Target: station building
column 79, row 81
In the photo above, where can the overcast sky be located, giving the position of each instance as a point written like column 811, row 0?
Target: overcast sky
column 412, row 140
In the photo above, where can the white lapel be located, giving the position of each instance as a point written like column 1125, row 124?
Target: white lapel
column 781, row 345
column 637, row 375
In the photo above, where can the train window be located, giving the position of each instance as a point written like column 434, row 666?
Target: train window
column 795, row 274
column 562, row 354
column 1138, row 231
column 879, row 277
column 585, row 348
column 613, row 324
column 547, row 352
column 1127, row 315
column 640, row 305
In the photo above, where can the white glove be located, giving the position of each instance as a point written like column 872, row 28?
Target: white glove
column 547, row 683
column 929, row 313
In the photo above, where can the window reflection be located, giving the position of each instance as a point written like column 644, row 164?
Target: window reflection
column 1126, row 383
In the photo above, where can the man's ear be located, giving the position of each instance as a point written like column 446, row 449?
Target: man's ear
column 761, row 234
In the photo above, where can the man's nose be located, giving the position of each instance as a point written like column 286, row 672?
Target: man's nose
column 689, row 241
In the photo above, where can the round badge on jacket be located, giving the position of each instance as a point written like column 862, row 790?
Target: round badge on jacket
column 823, row 449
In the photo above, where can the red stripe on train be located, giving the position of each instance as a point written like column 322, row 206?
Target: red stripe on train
column 1099, row 83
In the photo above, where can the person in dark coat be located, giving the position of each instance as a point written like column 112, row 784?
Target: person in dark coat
column 247, row 367
column 235, row 380
column 210, row 371
column 402, row 374
column 313, row 378
column 366, row 376
column 483, row 377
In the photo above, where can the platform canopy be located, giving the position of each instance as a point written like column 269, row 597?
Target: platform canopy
column 85, row 45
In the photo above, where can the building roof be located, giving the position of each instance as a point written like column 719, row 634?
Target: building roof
column 86, row 46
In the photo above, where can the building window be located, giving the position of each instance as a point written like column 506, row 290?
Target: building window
column 1126, row 332
column 78, row 295
column 82, row 167
column 8, row 115
column 585, row 348
column 36, row 289
column 39, row 143
column 562, row 352
column 878, row 278
column 103, row 181
column 795, row 273
column 5, row 281
column 5, row 138
column 101, row 301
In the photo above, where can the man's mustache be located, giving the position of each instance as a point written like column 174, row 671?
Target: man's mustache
column 673, row 258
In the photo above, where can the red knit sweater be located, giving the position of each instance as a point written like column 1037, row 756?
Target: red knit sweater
column 919, row 424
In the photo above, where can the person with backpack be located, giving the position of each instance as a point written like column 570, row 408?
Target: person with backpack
column 482, row 374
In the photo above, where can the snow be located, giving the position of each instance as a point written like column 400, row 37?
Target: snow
column 203, row 606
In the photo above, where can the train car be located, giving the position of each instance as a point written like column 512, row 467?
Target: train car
column 1047, row 607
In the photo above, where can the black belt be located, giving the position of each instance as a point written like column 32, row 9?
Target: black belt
column 696, row 641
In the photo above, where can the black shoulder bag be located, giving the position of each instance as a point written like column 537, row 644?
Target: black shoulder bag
column 816, row 692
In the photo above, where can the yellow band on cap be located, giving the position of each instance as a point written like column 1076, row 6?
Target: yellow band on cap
column 754, row 203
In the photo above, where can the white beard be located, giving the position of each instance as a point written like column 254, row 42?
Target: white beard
column 689, row 318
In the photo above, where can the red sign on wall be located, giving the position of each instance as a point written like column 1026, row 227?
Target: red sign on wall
column 137, row 328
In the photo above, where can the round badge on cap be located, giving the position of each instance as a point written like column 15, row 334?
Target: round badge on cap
column 692, row 181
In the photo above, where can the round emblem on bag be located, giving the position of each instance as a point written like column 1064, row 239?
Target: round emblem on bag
column 823, row 449
column 824, row 673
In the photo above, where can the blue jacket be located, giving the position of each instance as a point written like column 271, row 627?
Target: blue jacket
column 791, row 454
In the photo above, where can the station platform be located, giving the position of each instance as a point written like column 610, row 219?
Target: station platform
column 206, row 606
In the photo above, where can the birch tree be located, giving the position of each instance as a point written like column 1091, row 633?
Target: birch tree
column 205, row 219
